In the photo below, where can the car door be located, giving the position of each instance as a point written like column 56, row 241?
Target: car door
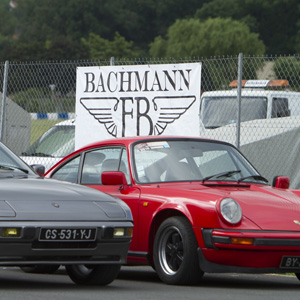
column 97, row 161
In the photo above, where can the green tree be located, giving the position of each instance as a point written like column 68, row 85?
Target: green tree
column 288, row 68
column 15, row 50
column 100, row 48
column 276, row 21
column 64, row 48
column 8, row 21
column 213, row 37
column 138, row 21
column 42, row 20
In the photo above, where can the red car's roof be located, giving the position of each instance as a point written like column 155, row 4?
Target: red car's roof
column 129, row 140
column 126, row 141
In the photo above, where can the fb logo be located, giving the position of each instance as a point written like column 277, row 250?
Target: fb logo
column 147, row 117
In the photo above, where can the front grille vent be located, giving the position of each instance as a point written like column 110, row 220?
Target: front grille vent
column 64, row 245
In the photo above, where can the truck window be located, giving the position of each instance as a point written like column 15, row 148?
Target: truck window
column 221, row 111
column 280, row 108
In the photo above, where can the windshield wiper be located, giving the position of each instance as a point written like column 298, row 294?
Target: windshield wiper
column 223, row 174
column 212, row 127
column 12, row 168
column 37, row 154
column 255, row 177
column 6, row 168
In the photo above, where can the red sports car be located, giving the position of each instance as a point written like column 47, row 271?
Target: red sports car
column 198, row 205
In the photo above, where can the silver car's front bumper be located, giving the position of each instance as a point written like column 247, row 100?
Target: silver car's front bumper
column 29, row 248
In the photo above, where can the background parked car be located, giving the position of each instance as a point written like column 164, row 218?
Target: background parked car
column 47, row 223
column 198, row 205
column 52, row 146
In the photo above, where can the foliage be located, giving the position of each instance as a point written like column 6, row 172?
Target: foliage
column 276, row 21
column 55, row 29
column 8, row 20
column 213, row 37
column 100, row 48
column 138, row 21
column 288, row 68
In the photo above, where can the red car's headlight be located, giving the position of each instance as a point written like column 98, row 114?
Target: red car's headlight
column 230, row 211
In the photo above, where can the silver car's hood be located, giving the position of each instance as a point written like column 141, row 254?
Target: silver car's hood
column 46, row 199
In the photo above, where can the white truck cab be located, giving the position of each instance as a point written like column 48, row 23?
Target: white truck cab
column 260, row 99
column 270, row 124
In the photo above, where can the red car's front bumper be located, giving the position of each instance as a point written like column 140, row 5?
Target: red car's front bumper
column 250, row 251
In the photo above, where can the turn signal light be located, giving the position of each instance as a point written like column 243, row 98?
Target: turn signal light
column 130, row 232
column 242, row 241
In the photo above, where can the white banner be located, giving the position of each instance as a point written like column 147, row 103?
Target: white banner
column 117, row 101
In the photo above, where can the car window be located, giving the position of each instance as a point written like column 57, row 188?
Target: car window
column 167, row 161
column 280, row 108
column 101, row 160
column 69, row 171
column 124, row 166
column 221, row 111
column 56, row 142
column 211, row 162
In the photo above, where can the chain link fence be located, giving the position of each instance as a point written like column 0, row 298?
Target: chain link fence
column 38, row 110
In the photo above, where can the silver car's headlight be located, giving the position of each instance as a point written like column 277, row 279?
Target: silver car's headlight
column 231, row 211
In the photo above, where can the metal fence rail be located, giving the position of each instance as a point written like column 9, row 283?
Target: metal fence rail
column 42, row 94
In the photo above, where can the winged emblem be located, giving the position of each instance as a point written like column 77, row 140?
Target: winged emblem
column 170, row 109
column 102, row 109
column 163, row 110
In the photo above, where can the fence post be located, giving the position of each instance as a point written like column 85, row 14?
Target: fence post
column 112, row 61
column 4, row 100
column 239, row 100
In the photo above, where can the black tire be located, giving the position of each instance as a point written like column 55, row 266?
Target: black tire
column 93, row 274
column 40, row 269
column 175, row 253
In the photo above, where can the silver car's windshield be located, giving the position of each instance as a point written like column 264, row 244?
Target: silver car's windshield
column 11, row 163
column 220, row 111
column 190, row 160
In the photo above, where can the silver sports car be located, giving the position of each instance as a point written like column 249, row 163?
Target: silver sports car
column 47, row 223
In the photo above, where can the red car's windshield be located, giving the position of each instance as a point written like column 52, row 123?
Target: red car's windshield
column 190, row 160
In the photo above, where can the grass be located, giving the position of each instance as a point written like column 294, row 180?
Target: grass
column 39, row 127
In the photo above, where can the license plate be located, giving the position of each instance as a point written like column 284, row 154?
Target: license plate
column 68, row 234
column 290, row 262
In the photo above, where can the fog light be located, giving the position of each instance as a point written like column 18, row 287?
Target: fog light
column 242, row 241
column 119, row 232
column 11, row 232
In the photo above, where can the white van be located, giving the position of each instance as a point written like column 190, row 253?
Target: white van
column 260, row 99
column 53, row 145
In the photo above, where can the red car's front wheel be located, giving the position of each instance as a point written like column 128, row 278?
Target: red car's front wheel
column 175, row 252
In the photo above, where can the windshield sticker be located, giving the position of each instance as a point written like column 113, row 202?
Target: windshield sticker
column 152, row 146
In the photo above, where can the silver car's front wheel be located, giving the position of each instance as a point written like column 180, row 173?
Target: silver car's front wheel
column 93, row 274
column 175, row 252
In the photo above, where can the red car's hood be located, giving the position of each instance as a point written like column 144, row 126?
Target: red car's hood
column 269, row 208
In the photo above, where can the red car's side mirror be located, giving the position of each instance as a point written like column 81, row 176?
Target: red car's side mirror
column 39, row 169
column 114, row 178
column 281, row 182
